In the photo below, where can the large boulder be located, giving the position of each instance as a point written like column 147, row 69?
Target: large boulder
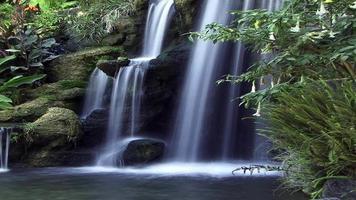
column 59, row 126
column 340, row 189
column 78, row 66
column 143, row 151
column 51, row 139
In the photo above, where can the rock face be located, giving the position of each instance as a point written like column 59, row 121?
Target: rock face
column 187, row 10
column 111, row 67
column 161, row 88
column 78, row 66
column 143, row 151
column 340, row 189
column 94, row 127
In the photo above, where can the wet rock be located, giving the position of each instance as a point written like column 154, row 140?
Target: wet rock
column 111, row 67
column 161, row 88
column 143, row 151
column 94, row 128
column 340, row 189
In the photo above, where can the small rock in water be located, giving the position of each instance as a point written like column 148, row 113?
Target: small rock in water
column 143, row 151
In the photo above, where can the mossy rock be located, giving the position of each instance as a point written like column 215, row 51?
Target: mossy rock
column 28, row 111
column 54, row 133
column 59, row 125
column 78, row 66
column 60, row 91
column 187, row 11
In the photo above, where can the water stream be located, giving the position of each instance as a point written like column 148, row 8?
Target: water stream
column 4, row 147
column 127, row 90
column 94, row 98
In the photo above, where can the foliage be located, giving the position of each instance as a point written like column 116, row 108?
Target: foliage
column 47, row 22
column 30, row 49
column 97, row 18
column 315, row 124
column 15, row 82
column 324, row 42
column 5, row 15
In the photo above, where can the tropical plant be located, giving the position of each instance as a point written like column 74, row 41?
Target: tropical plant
column 30, row 49
column 17, row 81
column 315, row 124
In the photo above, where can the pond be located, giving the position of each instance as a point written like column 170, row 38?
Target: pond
column 152, row 184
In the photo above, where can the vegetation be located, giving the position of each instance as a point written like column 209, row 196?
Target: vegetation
column 97, row 18
column 310, row 102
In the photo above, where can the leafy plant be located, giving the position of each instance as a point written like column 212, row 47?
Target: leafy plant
column 30, row 49
column 315, row 124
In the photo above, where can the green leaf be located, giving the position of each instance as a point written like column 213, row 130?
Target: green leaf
column 21, row 80
column 5, row 60
column 5, row 99
column 5, row 105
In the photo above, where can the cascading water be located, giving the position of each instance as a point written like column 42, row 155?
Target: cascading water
column 207, row 119
column 192, row 112
column 127, row 90
column 94, row 98
column 4, row 147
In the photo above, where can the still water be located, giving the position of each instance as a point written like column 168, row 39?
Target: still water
column 94, row 184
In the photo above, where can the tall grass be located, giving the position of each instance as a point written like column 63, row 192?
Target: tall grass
column 315, row 125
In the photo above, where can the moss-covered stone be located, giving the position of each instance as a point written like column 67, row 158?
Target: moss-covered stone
column 56, row 131
column 59, row 91
column 28, row 111
column 187, row 10
column 62, row 123
column 78, row 66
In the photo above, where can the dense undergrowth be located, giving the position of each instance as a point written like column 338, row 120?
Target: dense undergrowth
column 34, row 32
column 310, row 103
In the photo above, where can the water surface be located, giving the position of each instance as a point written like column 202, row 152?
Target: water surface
column 87, row 184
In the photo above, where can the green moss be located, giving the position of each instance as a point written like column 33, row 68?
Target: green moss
column 69, row 84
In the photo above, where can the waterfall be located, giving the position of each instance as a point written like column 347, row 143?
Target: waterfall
column 208, row 119
column 127, row 89
column 192, row 112
column 4, row 147
column 94, row 98
column 160, row 13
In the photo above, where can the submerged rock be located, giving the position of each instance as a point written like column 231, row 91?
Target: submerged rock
column 111, row 67
column 143, row 151
column 340, row 189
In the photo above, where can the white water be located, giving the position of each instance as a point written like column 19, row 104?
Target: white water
column 159, row 16
column 214, row 169
column 192, row 112
column 94, row 98
column 128, row 88
column 4, row 148
column 234, row 92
